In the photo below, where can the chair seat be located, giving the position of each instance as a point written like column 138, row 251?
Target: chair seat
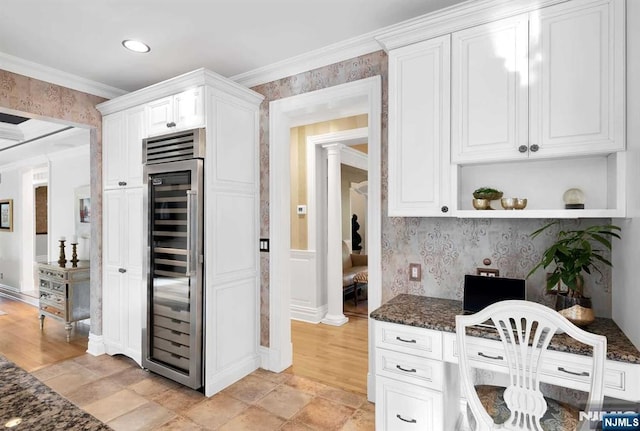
column 559, row 416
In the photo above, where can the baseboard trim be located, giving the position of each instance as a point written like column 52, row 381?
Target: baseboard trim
column 96, row 346
column 11, row 293
column 308, row 314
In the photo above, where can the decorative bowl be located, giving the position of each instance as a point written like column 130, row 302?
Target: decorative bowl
column 487, row 196
column 482, row 204
column 513, row 203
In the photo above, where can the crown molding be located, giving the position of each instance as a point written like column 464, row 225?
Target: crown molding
column 453, row 18
column 350, row 48
column 20, row 66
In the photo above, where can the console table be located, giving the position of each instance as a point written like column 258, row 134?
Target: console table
column 416, row 360
column 64, row 292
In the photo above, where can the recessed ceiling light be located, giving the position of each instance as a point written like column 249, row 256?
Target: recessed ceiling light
column 135, row 46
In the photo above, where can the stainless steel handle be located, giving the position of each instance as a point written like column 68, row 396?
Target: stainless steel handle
column 405, row 341
column 497, row 358
column 522, row 148
column 406, row 370
column 533, row 148
column 411, row 421
column 171, row 124
column 581, row 374
column 122, row 270
column 122, row 183
column 190, row 207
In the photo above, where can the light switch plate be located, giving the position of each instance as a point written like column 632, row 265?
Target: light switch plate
column 301, row 209
column 415, row 272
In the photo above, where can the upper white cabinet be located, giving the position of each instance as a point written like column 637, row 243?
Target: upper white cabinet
column 122, row 148
column 489, row 91
column 577, row 78
column 564, row 59
column 184, row 110
column 419, row 169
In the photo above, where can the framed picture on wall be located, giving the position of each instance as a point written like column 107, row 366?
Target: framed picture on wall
column 6, row 215
column 83, row 211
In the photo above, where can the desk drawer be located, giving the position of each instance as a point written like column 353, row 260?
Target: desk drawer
column 416, row 370
column 409, row 339
column 404, row 407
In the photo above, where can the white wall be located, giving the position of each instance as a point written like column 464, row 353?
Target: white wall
column 69, row 170
column 10, row 242
column 626, row 253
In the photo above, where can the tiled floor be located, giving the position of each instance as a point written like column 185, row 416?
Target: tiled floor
column 125, row 397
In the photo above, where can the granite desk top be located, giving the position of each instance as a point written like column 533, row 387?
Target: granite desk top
column 440, row 315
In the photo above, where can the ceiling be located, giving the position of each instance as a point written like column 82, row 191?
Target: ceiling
column 230, row 37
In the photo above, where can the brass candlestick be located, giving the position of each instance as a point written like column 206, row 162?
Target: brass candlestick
column 62, row 261
column 74, row 254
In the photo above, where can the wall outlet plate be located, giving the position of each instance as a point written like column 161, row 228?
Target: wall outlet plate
column 301, row 209
column 415, row 272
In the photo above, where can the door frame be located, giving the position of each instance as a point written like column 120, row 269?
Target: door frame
column 355, row 98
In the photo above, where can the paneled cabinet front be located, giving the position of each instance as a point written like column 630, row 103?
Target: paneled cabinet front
column 122, row 148
column 181, row 111
column 540, row 85
column 123, row 286
column 419, row 167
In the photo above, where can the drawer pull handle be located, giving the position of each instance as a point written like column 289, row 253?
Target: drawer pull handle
column 175, row 332
column 122, row 270
column 411, row 421
column 497, row 358
column 407, row 370
column 581, row 374
column 405, row 341
column 171, row 124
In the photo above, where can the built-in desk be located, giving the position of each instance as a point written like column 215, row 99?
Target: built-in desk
column 416, row 362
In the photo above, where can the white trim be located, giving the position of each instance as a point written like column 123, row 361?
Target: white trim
column 334, row 53
column 359, row 97
column 30, row 69
column 96, row 346
column 354, row 158
column 308, row 314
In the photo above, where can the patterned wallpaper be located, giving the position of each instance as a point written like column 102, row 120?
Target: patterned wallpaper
column 447, row 248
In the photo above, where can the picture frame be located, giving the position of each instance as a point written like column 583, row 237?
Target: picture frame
column 82, row 211
column 488, row 272
column 6, row 215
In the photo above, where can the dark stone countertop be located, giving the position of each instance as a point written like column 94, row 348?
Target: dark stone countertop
column 440, row 315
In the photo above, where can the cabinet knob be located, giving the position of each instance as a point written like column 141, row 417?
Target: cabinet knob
column 171, row 124
column 122, row 270
column 122, row 183
column 444, row 209
column 534, row 148
column 522, row 148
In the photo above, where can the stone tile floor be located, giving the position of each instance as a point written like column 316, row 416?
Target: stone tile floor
column 125, row 397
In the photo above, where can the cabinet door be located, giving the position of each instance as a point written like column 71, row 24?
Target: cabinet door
column 188, row 108
column 112, row 149
column 159, row 116
column 489, row 90
column 419, row 167
column 577, row 85
column 134, row 132
column 402, row 406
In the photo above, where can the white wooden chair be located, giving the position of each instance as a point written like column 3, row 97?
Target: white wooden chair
column 525, row 329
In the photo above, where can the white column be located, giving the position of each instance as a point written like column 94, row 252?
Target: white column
column 335, row 314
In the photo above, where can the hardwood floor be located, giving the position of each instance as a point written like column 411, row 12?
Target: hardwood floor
column 333, row 355
column 336, row 356
column 22, row 342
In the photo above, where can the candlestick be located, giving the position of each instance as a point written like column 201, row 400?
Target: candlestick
column 74, row 239
column 62, row 261
column 74, row 254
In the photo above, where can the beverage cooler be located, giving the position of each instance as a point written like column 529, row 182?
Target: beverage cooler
column 173, row 334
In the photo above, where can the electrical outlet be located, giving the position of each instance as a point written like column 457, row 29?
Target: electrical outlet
column 415, row 272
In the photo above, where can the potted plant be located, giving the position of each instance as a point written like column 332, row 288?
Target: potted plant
column 575, row 252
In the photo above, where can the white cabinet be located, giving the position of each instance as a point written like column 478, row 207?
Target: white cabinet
column 577, row 78
column 181, row 111
column 401, row 406
column 419, row 170
column 568, row 59
column 489, row 78
column 123, row 302
column 122, row 148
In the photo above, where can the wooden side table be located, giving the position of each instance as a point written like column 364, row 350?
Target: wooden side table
column 64, row 292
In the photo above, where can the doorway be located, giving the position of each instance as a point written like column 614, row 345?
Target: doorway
column 355, row 98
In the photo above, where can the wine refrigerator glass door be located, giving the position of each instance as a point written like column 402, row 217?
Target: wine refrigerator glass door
column 174, row 279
